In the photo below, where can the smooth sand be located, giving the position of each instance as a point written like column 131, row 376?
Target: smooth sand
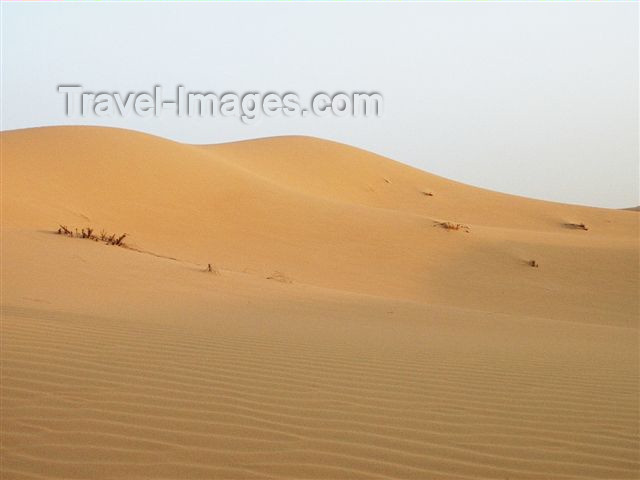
column 346, row 336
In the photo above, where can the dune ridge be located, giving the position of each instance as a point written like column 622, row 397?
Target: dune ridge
column 347, row 334
column 234, row 205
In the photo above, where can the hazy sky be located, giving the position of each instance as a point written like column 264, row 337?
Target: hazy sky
column 536, row 99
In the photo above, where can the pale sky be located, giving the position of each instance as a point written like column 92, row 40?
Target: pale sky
column 535, row 99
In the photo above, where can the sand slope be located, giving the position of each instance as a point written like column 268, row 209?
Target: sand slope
column 382, row 346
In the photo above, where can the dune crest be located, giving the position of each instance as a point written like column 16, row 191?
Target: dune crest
column 325, row 214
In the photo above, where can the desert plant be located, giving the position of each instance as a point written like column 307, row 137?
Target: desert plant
column 533, row 263
column 88, row 233
column 279, row 277
column 63, row 230
column 119, row 240
column 452, row 226
column 577, row 226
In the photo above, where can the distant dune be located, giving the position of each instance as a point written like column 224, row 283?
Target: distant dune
column 363, row 319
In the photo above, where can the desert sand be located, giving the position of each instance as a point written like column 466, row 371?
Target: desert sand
column 344, row 332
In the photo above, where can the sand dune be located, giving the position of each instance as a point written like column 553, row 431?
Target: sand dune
column 347, row 334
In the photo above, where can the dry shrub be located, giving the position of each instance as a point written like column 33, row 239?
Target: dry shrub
column 452, row 226
column 577, row 226
column 63, row 230
column 116, row 240
column 279, row 277
column 533, row 263
column 87, row 233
